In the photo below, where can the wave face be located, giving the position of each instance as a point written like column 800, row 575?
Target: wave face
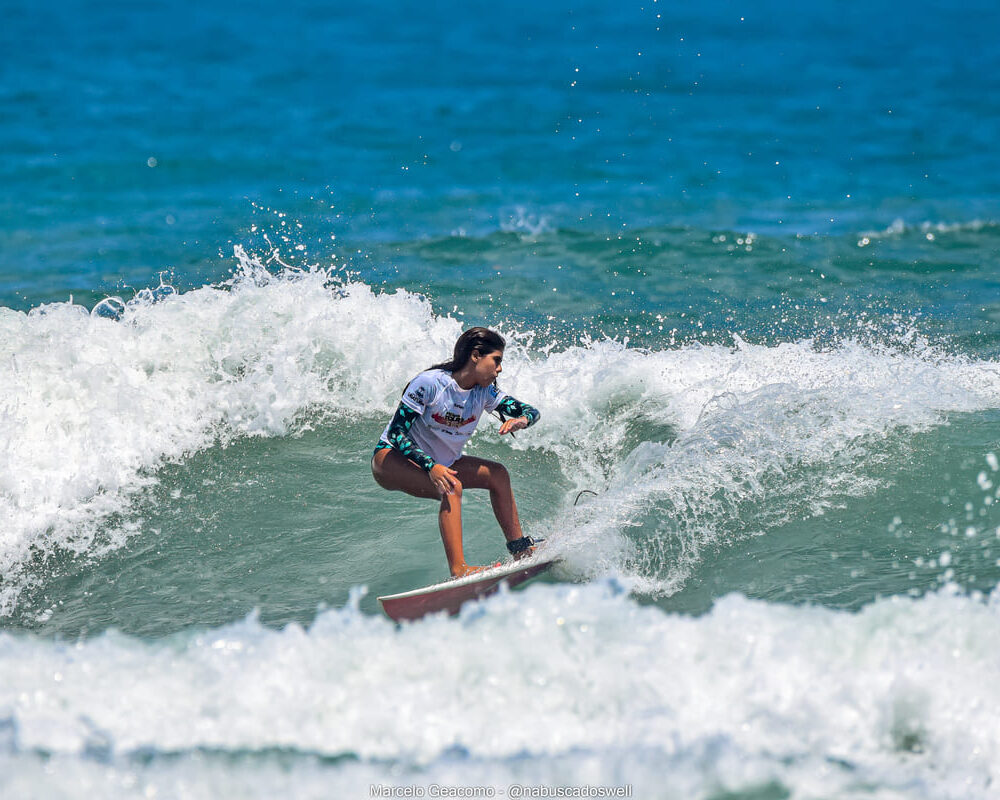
column 687, row 445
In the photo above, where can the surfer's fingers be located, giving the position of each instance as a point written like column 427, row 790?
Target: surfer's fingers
column 517, row 424
column 447, row 482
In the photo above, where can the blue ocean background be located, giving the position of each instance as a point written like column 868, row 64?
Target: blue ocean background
column 746, row 259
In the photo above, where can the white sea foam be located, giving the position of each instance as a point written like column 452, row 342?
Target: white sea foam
column 554, row 684
column 92, row 406
column 929, row 230
column 525, row 223
column 752, row 433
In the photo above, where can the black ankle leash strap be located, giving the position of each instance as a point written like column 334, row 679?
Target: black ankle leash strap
column 520, row 545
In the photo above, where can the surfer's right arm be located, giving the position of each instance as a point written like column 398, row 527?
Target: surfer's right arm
column 399, row 438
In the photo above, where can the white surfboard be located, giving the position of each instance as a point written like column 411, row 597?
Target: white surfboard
column 452, row 594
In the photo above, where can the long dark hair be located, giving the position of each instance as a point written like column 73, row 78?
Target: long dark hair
column 474, row 340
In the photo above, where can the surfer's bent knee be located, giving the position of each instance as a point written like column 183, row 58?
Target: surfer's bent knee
column 500, row 475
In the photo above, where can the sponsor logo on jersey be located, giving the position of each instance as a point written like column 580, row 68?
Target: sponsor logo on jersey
column 452, row 420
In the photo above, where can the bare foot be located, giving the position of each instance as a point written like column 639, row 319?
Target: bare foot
column 525, row 553
column 465, row 569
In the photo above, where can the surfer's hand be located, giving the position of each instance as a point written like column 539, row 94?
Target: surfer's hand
column 444, row 478
column 511, row 425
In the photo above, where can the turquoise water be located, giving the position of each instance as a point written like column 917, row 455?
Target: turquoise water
column 746, row 262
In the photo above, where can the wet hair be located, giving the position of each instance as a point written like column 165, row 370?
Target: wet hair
column 474, row 340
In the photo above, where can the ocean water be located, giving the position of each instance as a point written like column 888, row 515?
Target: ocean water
column 746, row 258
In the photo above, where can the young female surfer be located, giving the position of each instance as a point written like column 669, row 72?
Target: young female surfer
column 420, row 451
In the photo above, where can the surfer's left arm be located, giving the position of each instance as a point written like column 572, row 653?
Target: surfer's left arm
column 520, row 415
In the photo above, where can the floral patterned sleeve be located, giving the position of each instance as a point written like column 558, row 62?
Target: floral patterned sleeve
column 399, row 437
column 512, row 408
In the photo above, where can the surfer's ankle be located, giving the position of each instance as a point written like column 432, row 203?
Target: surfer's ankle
column 519, row 548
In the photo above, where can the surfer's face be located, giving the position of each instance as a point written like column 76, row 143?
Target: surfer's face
column 487, row 367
